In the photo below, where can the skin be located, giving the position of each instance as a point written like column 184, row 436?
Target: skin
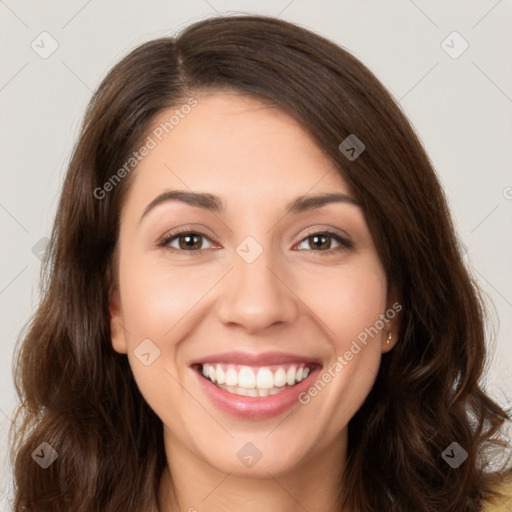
column 292, row 298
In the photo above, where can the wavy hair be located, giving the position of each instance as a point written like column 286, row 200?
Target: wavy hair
column 79, row 395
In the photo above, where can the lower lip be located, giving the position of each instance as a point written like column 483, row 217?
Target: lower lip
column 255, row 408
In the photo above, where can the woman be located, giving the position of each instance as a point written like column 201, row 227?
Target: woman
column 254, row 297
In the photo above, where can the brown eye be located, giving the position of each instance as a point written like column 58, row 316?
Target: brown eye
column 322, row 242
column 185, row 241
column 191, row 241
column 319, row 241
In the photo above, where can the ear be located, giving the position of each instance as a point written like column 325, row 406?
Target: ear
column 393, row 316
column 117, row 331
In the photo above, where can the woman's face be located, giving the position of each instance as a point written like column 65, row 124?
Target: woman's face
column 253, row 292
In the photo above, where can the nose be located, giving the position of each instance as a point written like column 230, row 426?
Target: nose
column 257, row 295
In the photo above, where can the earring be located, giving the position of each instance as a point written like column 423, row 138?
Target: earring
column 389, row 338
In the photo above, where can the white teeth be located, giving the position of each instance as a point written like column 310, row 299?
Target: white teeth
column 221, row 376
column 280, row 378
column 249, row 379
column 246, row 378
column 290, row 376
column 231, row 377
column 265, row 379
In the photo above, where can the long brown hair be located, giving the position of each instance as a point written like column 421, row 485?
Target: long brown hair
column 80, row 397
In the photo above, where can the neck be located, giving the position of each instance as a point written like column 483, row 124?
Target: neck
column 190, row 484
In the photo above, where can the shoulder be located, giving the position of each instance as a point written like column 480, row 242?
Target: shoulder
column 502, row 503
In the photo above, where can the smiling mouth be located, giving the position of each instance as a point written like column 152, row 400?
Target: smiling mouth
column 252, row 381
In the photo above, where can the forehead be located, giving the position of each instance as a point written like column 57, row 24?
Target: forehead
column 235, row 146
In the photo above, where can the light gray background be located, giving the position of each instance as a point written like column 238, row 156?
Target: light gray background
column 461, row 108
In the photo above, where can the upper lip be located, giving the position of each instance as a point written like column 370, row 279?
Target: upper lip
column 248, row 359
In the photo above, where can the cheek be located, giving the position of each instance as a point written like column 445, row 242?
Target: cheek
column 349, row 303
column 156, row 296
column 346, row 300
column 155, row 302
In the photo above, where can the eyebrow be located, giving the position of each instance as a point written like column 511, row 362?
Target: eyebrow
column 215, row 204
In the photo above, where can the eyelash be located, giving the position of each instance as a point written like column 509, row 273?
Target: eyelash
column 344, row 243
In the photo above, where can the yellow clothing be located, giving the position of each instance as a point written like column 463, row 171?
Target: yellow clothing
column 501, row 504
